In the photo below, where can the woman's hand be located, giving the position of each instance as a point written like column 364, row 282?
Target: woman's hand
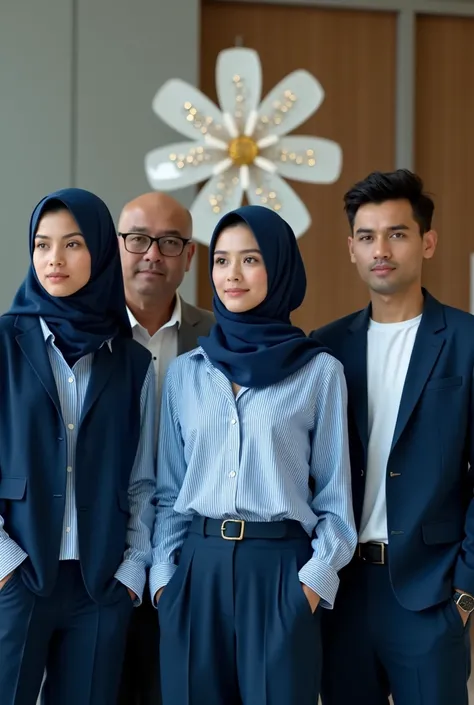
column 312, row 597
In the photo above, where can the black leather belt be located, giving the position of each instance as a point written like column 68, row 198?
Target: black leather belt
column 374, row 552
column 238, row 529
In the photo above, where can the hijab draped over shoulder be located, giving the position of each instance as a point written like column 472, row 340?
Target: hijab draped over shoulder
column 83, row 321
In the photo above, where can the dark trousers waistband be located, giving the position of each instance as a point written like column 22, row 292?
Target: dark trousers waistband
column 238, row 529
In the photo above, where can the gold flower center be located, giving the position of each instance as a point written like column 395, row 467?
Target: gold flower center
column 243, row 150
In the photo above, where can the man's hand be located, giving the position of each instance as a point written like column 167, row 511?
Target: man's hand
column 312, row 597
column 464, row 615
column 158, row 594
column 5, row 580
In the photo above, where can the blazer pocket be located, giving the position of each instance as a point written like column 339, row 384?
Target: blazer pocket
column 442, row 532
column 12, row 487
column 444, row 382
column 123, row 502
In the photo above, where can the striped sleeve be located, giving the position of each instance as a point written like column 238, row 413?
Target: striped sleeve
column 11, row 555
column 336, row 536
column 170, row 527
column 132, row 571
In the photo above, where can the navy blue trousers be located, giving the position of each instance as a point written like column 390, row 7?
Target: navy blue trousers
column 236, row 627
column 140, row 683
column 79, row 643
column 373, row 646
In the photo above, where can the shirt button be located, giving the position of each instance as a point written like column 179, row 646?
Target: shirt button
column 71, row 380
column 69, row 468
column 68, row 529
column 233, row 422
column 70, row 426
column 232, row 474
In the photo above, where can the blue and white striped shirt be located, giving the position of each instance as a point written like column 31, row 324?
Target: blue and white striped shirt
column 250, row 457
column 72, row 387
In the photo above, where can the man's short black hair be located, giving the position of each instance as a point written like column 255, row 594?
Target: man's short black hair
column 379, row 187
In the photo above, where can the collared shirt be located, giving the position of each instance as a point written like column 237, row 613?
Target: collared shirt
column 163, row 346
column 250, row 457
column 72, row 387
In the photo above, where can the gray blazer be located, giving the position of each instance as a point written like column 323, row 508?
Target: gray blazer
column 194, row 322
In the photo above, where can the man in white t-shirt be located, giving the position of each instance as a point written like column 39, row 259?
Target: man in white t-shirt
column 156, row 251
column 400, row 622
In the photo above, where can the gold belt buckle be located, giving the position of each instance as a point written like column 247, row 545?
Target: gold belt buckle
column 233, row 521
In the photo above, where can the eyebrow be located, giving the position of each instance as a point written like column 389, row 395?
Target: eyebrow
column 63, row 237
column 370, row 231
column 241, row 252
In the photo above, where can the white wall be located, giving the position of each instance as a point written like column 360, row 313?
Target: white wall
column 35, row 121
column 77, row 78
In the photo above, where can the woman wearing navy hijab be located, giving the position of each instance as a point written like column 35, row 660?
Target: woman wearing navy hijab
column 76, row 462
column 254, row 514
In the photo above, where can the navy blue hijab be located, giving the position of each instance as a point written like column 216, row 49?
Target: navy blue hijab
column 261, row 347
column 83, row 321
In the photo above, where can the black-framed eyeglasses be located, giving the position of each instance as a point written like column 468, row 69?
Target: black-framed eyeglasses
column 168, row 245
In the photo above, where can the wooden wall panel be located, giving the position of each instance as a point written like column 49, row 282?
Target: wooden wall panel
column 352, row 53
column 445, row 147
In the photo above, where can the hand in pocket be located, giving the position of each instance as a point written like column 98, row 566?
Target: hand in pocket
column 5, row 580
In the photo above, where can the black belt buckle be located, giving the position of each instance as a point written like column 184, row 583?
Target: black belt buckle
column 380, row 545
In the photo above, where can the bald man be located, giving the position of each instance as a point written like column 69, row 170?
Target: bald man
column 156, row 250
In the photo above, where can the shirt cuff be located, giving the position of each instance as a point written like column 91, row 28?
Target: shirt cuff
column 11, row 556
column 160, row 575
column 463, row 577
column 321, row 578
column 133, row 576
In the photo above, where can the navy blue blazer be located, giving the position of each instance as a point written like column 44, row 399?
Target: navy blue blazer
column 429, row 486
column 33, row 455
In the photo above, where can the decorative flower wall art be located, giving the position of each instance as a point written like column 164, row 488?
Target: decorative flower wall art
column 244, row 146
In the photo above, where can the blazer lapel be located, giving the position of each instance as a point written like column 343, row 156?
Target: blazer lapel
column 32, row 344
column 102, row 367
column 186, row 337
column 188, row 333
column 428, row 345
column 355, row 369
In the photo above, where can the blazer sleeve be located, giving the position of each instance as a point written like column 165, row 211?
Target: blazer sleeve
column 464, row 568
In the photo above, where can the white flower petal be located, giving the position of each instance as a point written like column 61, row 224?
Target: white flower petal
column 216, row 143
column 267, row 141
column 265, row 164
column 239, row 83
column 244, row 177
column 271, row 191
column 289, row 104
column 312, row 159
column 230, row 125
column 179, row 165
column 187, row 110
column 219, row 196
column 222, row 166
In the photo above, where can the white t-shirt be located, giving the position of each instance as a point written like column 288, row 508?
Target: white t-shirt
column 389, row 349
